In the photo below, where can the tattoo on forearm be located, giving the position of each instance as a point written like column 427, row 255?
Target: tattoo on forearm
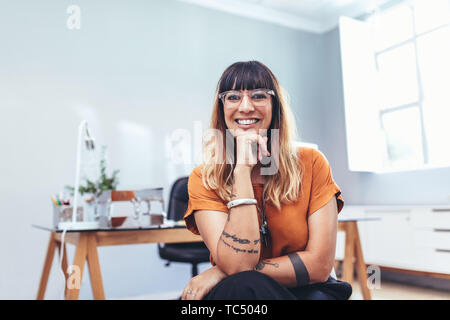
column 262, row 264
column 236, row 239
column 238, row 249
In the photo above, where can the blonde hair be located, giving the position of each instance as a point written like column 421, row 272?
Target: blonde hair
column 217, row 170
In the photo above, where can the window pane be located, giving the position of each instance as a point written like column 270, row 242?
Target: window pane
column 434, row 63
column 392, row 27
column 403, row 138
column 436, row 115
column 430, row 14
column 397, row 76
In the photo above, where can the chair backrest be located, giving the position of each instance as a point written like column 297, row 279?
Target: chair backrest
column 178, row 199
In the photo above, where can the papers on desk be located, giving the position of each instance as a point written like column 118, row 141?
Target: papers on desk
column 122, row 208
column 172, row 223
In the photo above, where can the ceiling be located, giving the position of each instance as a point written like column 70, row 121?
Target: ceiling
column 316, row 16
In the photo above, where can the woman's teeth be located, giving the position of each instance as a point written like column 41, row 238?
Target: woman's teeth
column 251, row 121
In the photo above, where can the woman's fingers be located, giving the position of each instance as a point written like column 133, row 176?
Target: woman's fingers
column 263, row 144
column 186, row 295
column 198, row 295
column 191, row 293
column 187, row 292
column 251, row 147
column 262, row 147
column 259, row 153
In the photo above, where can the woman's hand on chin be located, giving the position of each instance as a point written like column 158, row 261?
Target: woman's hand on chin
column 250, row 147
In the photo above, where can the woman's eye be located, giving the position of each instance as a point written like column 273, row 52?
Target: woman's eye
column 233, row 97
column 259, row 96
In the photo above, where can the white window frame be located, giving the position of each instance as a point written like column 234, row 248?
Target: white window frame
column 366, row 145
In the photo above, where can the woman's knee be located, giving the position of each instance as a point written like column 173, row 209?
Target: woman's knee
column 248, row 277
column 317, row 294
column 248, row 280
column 249, row 285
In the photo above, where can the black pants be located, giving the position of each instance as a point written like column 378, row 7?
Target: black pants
column 253, row 285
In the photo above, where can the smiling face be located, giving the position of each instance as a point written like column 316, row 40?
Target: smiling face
column 247, row 96
column 252, row 111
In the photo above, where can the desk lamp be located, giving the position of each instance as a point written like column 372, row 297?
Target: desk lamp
column 84, row 137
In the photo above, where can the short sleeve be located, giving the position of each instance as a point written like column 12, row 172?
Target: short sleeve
column 200, row 198
column 323, row 187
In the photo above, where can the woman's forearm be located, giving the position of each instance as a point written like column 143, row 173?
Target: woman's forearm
column 219, row 272
column 283, row 269
column 238, row 248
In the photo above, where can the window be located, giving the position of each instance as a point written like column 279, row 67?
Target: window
column 396, row 75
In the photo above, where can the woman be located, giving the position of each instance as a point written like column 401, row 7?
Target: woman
column 266, row 211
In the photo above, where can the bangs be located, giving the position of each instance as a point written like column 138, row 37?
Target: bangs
column 246, row 76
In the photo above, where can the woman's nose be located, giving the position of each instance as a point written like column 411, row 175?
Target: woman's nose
column 246, row 105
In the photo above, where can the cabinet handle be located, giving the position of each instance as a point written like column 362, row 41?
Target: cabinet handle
column 442, row 250
column 441, row 210
column 441, row 230
column 388, row 210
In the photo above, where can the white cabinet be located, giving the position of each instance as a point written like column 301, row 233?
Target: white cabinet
column 439, row 261
column 388, row 241
column 413, row 238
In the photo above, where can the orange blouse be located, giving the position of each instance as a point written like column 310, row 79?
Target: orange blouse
column 289, row 227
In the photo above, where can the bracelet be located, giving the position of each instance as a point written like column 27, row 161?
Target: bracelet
column 238, row 202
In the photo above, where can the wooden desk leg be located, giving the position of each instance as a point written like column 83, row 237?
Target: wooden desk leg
column 361, row 270
column 47, row 266
column 336, row 266
column 94, row 269
column 347, row 266
column 79, row 260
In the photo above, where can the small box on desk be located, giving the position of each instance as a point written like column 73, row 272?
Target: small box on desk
column 63, row 214
column 156, row 219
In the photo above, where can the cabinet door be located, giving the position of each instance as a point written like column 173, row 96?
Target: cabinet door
column 390, row 241
column 432, row 238
column 440, row 261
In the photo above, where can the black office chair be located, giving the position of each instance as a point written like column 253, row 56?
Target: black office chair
column 192, row 252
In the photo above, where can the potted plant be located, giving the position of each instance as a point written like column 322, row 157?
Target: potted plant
column 100, row 190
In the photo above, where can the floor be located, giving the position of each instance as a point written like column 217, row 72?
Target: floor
column 386, row 291
column 401, row 291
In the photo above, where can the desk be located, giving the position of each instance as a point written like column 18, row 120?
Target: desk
column 87, row 241
column 353, row 251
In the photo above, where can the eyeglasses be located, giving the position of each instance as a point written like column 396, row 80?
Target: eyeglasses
column 258, row 97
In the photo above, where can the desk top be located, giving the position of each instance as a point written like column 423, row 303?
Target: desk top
column 170, row 225
column 357, row 219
